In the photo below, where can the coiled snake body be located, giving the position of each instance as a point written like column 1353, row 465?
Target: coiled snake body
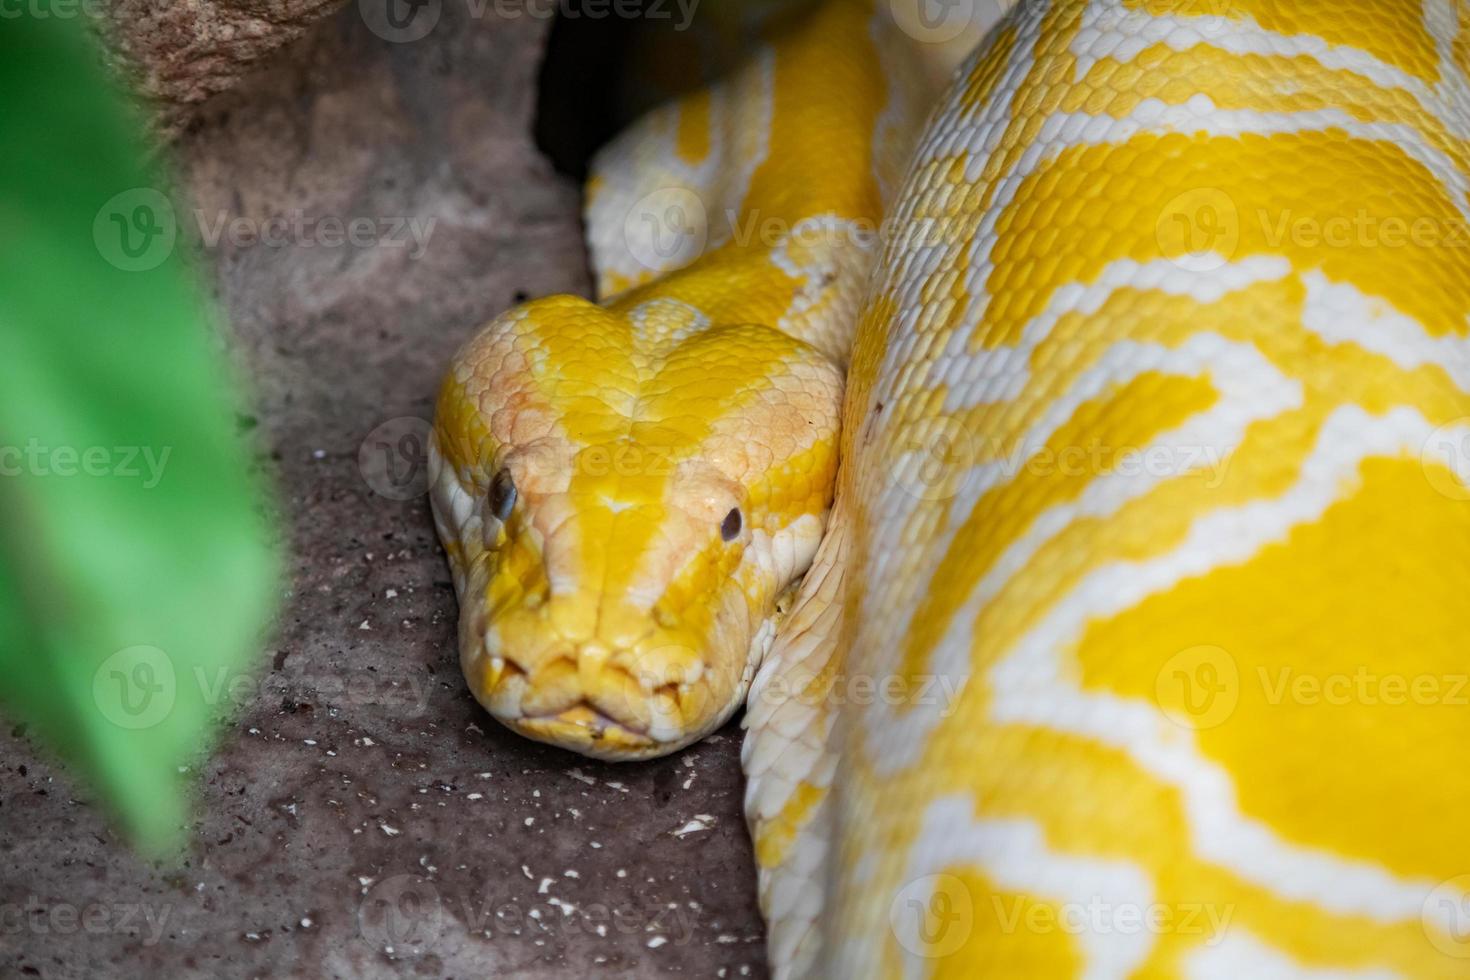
column 1130, row 638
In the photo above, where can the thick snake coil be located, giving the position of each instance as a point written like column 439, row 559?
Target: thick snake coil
column 1136, row 641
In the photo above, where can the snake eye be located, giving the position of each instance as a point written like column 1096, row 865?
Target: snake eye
column 502, row 495
column 730, row 526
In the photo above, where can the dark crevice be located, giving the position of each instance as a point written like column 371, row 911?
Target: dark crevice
column 609, row 61
column 580, row 103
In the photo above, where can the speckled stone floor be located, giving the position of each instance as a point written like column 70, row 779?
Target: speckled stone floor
column 362, row 816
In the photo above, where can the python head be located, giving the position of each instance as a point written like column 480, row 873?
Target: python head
column 626, row 494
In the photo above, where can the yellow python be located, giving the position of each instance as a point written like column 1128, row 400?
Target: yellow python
column 1135, row 642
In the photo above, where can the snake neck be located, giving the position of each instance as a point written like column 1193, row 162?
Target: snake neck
column 760, row 199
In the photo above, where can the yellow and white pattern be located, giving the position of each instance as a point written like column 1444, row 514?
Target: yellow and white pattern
column 1135, row 642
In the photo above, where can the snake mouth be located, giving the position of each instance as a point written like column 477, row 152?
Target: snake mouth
column 587, row 731
column 580, row 702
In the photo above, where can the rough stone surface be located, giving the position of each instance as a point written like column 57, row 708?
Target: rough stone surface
column 363, row 817
column 180, row 54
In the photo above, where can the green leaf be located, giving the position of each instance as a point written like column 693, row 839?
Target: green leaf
column 136, row 570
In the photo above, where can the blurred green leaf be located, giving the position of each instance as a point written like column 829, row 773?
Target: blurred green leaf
column 136, row 572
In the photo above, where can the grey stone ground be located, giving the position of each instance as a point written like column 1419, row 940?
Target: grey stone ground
column 363, row 817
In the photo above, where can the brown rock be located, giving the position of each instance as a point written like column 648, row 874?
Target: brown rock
column 363, row 817
column 177, row 55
